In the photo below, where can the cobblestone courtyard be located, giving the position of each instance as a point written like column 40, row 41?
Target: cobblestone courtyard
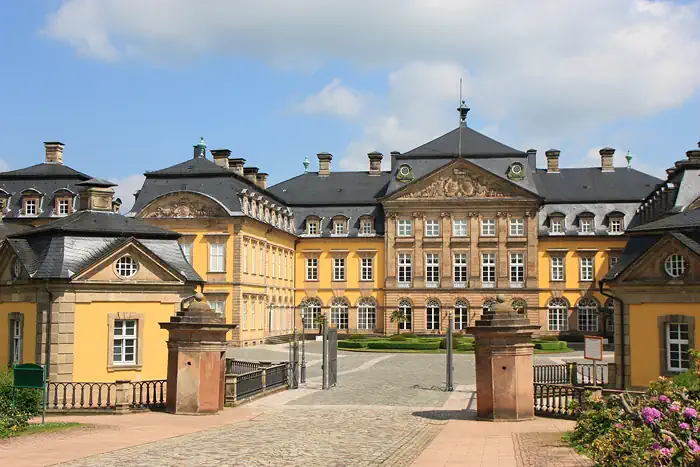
column 385, row 411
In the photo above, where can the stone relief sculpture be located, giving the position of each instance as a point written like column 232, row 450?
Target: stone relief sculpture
column 182, row 207
column 461, row 185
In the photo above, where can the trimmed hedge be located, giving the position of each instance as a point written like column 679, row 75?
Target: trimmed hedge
column 409, row 334
column 358, row 337
column 389, row 345
column 398, row 337
column 465, row 346
column 548, row 338
column 347, row 344
column 551, row 346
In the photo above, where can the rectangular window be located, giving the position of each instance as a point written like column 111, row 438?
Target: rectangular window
column 30, row 207
column 272, row 271
column 616, row 225
column 312, row 269
column 405, row 270
column 459, row 228
column 286, row 258
column 252, row 259
column 587, row 319
column 517, row 227
column 488, row 228
column 219, row 306
column 16, row 343
column 187, row 251
column 244, row 317
column 366, row 269
column 433, row 318
column 267, row 262
column 279, row 265
column 460, row 269
column 63, row 205
column 488, row 269
column 432, row 228
column 262, row 262
column 124, row 342
column 586, row 263
column 366, row 227
column 677, row 344
column 217, row 257
column 405, row 309
column 556, row 225
column 557, row 268
column 338, row 269
column 312, row 227
column 339, row 227
column 586, row 225
column 557, row 319
column 517, row 269
column 253, row 314
column 461, row 317
column 432, row 270
column 405, row 227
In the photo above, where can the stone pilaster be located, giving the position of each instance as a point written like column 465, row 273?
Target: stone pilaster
column 445, row 254
column 532, row 250
column 502, row 260
column 418, row 256
column 474, row 257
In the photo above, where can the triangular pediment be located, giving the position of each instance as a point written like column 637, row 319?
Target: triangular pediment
column 650, row 268
column 460, row 179
column 150, row 268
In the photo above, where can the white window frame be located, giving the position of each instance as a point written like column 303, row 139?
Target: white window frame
column 126, row 267
column 517, row 227
column 404, row 274
column 432, row 270
column 122, row 339
column 34, row 207
column 366, row 227
column 676, row 345
column 187, row 251
column 17, row 340
column 557, row 225
column 340, row 227
column 367, row 315
column 586, row 268
column 517, row 268
column 488, row 270
column 488, row 227
column 312, row 269
column 219, row 306
column 675, row 265
column 310, row 309
column 338, row 269
column 340, row 316
column 405, row 227
column 63, row 206
column 616, row 225
column 558, row 315
column 217, row 256
column 587, row 315
column 460, row 227
column 406, row 308
column 244, row 317
column 367, row 269
column 312, row 227
column 432, row 227
column 460, row 270
column 461, row 315
column 432, row 315
column 252, row 258
column 557, row 268
column 262, row 260
column 586, row 226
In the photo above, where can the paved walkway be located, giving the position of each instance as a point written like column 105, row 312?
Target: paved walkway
column 387, row 410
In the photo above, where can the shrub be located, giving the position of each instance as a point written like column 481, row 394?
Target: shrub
column 398, row 337
column 347, row 344
column 550, row 346
column 409, row 335
column 12, row 420
column 455, row 342
column 548, row 338
column 358, row 337
column 27, row 400
column 465, row 346
column 389, row 345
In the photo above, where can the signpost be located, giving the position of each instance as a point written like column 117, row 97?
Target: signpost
column 593, row 350
column 30, row 376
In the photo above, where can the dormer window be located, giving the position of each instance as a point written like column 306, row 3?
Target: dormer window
column 246, row 206
column 267, row 215
column 253, row 209
column 556, row 224
column 366, row 227
column 616, row 225
column 273, row 218
column 340, row 226
column 3, row 204
column 313, row 226
column 586, row 225
column 30, row 206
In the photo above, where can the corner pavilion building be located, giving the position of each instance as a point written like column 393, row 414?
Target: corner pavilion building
column 451, row 224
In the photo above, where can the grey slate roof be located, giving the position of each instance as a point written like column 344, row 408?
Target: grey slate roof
column 9, row 228
column 339, row 188
column 326, row 213
column 45, row 179
column 592, row 185
column 572, row 212
column 683, row 220
column 191, row 168
column 474, row 144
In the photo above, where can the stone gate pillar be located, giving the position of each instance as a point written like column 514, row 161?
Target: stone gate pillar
column 503, row 354
column 196, row 359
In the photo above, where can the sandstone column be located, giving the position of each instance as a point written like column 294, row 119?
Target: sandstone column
column 196, row 359
column 503, row 354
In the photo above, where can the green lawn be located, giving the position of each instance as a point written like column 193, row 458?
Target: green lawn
column 35, row 428
column 431, row 344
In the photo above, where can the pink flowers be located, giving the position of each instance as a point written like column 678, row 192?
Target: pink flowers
column 651, row 415
column 619, row 426
column 664, row 399
column 665, row 452
column 684, row 426
column 690, row 412
column 674, row 407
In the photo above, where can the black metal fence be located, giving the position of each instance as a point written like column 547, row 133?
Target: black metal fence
column 240, row 387
column 558, row 400
column 81, row 396
column 239, row 367
column 148, row 394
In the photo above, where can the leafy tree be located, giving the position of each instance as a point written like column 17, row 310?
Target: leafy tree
column 398, row 316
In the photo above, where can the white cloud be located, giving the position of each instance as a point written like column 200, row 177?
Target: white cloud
column 4, row 166
column 125, row 190
column 547, row 72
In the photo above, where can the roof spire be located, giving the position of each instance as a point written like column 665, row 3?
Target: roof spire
column 200, row 149
column 306, row 164
column 629, row 159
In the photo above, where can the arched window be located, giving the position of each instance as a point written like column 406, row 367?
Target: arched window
column 558, row 315
column 488, row 304
column 273, row 218
column 587, row 311
column 461, row 314
column 610, row 308
column 367, row 314
column 432, row 310
column 246, row 206
column 519, row 305
column 339, row 313
column 407, row 310
column 253, row 209
column 310, row 312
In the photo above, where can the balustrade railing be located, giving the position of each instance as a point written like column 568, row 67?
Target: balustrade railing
column 578, row 374
column 148, row 394
column 81, row 396
column 239, row 367
column 552, row 374
column 558, row 400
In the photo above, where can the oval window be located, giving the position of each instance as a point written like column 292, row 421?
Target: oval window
column 675, row 265
column 126, row 266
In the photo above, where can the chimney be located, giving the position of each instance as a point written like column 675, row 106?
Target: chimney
column 694, row 154
column 606, row 160
column 251, row 174
column 97, row 195
column 324, row 164
column 54, row 152
column 261, row 180
column 221, row 157
column 236, row 164
column 532, row 158
column 200, row 149
column 552, row 161
column 375, row 163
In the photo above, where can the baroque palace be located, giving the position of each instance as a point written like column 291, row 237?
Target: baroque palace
column 451, row 224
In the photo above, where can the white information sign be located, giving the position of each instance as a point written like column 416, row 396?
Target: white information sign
column 593, row 348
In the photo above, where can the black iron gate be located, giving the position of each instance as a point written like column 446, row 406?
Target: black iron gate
column 332, row 343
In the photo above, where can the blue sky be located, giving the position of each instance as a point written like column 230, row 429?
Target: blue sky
column 130, row 86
